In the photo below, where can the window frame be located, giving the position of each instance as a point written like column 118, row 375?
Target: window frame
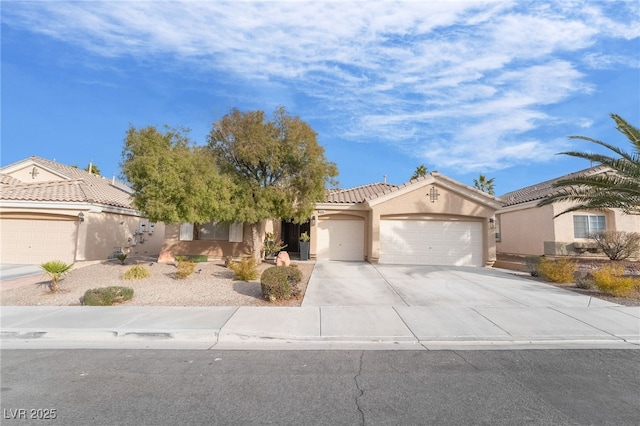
column 588, row 224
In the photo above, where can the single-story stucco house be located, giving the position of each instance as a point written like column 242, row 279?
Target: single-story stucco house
column 50, row 211
column 432, row 220
column 523, row 228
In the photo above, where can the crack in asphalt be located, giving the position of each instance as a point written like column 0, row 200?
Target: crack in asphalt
column 360, row 391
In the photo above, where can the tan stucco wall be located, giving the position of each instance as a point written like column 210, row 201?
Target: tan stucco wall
column 214, row 249
column 525, row 231
column 101, row 234
column 626, row 222
column 24, row 175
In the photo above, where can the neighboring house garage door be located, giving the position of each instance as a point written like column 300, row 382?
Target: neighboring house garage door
column 340, row 240
column 27, row 241
column 416, row 242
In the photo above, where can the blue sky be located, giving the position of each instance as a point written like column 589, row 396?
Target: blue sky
column 462, row 87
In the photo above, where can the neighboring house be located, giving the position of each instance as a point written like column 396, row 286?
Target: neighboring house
column 432, row 220
column 50, row 211
column 523, row 228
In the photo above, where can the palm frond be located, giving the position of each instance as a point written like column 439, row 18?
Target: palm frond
column 618, row 189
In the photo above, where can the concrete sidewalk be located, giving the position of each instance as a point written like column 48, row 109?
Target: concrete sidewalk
column 321, row 327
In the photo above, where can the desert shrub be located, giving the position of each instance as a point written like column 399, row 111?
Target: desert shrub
column 245, row 269
column 609, row 280
column 559, row 270
column 617, row 245
column 280, row 282
column 532, row 263
column 121, row 257
column 107, row 296
column 185, row 268
column 136, row 272
column 584, row 281
column 55, row 269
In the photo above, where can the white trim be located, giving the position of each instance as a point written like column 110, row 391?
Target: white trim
column 55, row 205
column 236, row 232
column 186, row 232
column 340, row 206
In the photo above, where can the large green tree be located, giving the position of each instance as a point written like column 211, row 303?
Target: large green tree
column 485, row 185
column 278, row 167
column 617, row 189
column 174, row 180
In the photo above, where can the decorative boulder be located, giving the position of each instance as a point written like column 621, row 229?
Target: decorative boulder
column 283, row 259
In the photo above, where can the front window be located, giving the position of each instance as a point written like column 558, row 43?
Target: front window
column 584, row 225
column 214, row 231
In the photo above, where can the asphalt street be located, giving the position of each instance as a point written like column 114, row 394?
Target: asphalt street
column 168, row 387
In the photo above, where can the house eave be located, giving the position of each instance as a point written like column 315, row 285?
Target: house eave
column 53, row 205
column 341, row 206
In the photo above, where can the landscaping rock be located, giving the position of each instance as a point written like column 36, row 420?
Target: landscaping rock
column 283, row 259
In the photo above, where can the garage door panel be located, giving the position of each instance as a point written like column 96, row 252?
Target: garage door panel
column 431, row 242
column 26, row 241
column 340, row 240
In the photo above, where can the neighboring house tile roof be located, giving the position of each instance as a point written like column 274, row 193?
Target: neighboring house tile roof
column 6, row 180
column 358, row 194
column 80, row 186
column 544, row 189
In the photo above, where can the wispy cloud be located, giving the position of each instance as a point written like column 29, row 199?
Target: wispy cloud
column 461, row 84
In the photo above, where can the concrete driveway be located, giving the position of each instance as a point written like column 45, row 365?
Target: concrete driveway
column 364, row 284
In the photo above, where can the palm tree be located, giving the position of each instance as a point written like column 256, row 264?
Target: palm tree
column 485, row 185
column 421, row 171
column 56, row 269
column 619, row 189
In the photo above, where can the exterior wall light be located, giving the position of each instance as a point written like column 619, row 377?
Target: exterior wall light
column 81, row 217
column 313, row 221
column 492, row 223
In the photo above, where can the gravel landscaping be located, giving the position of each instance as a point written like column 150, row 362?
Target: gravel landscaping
column 211, row 284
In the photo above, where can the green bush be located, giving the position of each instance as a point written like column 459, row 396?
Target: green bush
column 107, row 296
column 121, row 257
column 245, row 269
column 559, row 271
column 280, row 282
column 609, row 280
column 197, row 258
column 184, row 269
column 136, row 272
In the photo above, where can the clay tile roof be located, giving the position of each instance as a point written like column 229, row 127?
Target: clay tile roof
column 543, row 189
column 358, row 194
column 80, row 186
column 6, row 180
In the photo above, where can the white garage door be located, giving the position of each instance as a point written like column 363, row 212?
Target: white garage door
column 25, row 241
column 415, row 242
column 341, row 240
